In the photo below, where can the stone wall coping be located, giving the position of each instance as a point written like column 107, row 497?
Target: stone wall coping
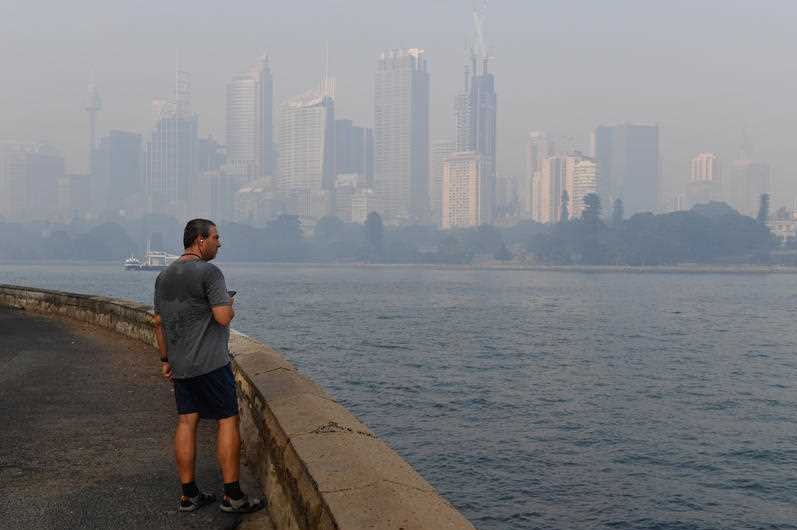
column 320, row 466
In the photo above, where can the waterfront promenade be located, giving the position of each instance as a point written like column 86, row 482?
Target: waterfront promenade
column 87, row 424
column 88, row 421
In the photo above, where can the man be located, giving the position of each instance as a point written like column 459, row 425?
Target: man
column 193, row 311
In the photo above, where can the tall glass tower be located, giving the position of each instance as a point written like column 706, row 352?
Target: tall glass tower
column 401, row 136
column 476, row 112
column 250, row 120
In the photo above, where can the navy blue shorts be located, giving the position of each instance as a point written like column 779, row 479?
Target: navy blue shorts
column 212, row 395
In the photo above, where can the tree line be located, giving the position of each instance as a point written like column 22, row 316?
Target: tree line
column 712, row 232
column 708, row 233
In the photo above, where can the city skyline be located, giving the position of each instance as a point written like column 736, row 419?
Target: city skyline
column 611, row 71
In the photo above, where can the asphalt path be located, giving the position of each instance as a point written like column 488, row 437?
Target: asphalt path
column 86, row 426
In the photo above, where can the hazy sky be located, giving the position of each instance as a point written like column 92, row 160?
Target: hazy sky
column 702, row 69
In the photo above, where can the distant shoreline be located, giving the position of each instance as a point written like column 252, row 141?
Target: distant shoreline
column 493, row 266
column 483, row 266
column 691, row 268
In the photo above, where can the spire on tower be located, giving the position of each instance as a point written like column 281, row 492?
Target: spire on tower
column 479, row 52
column 327, row 82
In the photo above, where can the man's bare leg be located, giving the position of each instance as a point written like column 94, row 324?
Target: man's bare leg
column 228, row 449
column 185, row 446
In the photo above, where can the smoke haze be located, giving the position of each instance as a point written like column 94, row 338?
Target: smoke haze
column 702, row 70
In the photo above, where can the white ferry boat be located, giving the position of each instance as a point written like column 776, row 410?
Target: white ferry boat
column 132, row 264
column 154, row 260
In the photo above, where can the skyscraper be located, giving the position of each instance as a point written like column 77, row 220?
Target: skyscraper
column 93, row 106
column 29, row 174
column 354, row 149
column 242, row 123
column 401, row 135
column 539, row 147
column 250, row 136
column 171, row 155
column 440, row 153
column 307, row 149
column 465, row 201
column 266, row 150
column 580, row 179
column 547, row 193
column 705, row 180
column 476, row 109
column 116, row 175
column 476, row 116
column 212, row 155
column 747, row 181
column 628, row 165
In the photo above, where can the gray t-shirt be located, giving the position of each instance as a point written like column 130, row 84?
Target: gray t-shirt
column 184, row 294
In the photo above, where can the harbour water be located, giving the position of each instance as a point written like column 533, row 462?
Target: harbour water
column 541, row 399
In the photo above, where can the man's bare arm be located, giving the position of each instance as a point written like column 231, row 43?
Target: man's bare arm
column 223, row 314
column 160, row 338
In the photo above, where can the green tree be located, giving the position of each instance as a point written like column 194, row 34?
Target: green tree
column 565, row 216
column 284, row 238
column 763, row 209
column 484, row 239
column 618, row 212
column 592, row 208
column 107, row 241
column 328, row 229
column 503, row 254
column 285, row 228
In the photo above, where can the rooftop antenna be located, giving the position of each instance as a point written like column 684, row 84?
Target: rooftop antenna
column 479, row 51
column 327, row 83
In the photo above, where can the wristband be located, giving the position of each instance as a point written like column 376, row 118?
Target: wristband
column 164, row 359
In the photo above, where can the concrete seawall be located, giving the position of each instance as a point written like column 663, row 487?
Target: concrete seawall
column 321, row 468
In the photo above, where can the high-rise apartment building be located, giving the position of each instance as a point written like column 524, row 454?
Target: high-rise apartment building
column 466, row 201
column 242, row 123
column 539, row 147
column 705, row 166
column 250, row 123
column 547, row 193
column 628, row 165
column 705, row 182
column 29, row 174
column 117, row 176
column 307, row 150
column 401, row 136
column 440, row 153
column 580, row 179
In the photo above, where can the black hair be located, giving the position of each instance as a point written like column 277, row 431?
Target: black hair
column 196, row 228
